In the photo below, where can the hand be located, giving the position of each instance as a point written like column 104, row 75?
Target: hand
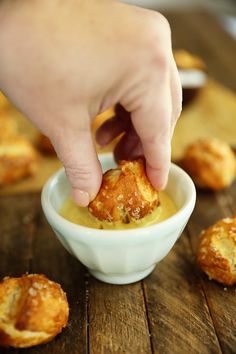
column 62, row 63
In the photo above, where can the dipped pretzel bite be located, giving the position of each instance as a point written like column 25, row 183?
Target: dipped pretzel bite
column 125, row 195
column 33, row 310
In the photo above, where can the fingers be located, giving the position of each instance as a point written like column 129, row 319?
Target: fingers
column 152, row 122
column 176, row 94
column 129, row 146
column 162, row 116
column 76, row 151
column 113, row 126
column 155, row 123
column 109, row 130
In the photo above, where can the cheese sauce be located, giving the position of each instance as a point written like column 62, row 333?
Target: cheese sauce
column 82, row 216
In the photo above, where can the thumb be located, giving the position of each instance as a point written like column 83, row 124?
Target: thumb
column 77, row 153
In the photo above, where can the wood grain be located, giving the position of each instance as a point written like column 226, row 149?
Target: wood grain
column 117, row 319
column 177, row 310
column 221, row 300
column 29, row 245
column 200, row 32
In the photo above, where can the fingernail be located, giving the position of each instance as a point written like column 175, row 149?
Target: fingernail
column 81, row 197
column 158, row 180
column 162, row 182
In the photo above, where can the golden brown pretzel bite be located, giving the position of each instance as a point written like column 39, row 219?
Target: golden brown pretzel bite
column 216, row 254
column 4, row 103
column 211, row 163
column 33, row 310
column 18, row 159
column 186, row 60
column 8, row 125
column 126, row 194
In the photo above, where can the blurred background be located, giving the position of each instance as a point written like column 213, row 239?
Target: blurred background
column 218, row 5
column 225, row 10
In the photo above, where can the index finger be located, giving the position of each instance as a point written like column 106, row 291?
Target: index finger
column 152, row 122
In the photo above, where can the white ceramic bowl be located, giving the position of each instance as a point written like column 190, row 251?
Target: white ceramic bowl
column 119, row 256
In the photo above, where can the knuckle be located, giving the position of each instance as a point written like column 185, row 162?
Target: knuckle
column 79, row 176
column 160, row 58
column 158, row 140
column 158, row 25
column 158, row 40
column 162, row 22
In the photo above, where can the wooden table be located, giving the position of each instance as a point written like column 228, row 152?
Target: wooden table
column 176, row 309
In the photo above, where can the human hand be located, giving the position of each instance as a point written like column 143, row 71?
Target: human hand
column 62, row 63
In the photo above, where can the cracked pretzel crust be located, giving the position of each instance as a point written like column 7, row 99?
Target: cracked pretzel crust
column 125, row 194
column 33, row 310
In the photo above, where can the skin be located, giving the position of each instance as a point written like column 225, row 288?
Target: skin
column 64, row 62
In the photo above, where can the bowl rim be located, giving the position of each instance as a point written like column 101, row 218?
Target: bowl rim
column 60, row 223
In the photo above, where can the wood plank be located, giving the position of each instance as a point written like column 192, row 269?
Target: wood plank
column 16, row 232
column 17, row 227
column 50, row 258
column 201, row 34
column 220, row 59
column 230, row 197
column 31, row 246
column 221, row 300
column 178, row 314
column 117, row 319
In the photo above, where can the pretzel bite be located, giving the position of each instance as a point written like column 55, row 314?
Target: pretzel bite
column 186, row 60
column 18, row 159
column 192, row 72
column 8, row 125
column 33, row 310
column 126, row 194
column 3, row 101
column 216, row 254
column 45, row 145
column 211, row 163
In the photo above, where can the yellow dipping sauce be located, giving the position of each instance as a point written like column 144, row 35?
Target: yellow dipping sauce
column 82, row 216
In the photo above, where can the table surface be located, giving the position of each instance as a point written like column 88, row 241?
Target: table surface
column 176, row 309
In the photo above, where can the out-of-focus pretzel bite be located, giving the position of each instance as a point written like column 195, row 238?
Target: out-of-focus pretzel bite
column 125, row 194
column 216, row 254
column 211, row 163
column 186, row 60
column 33, row 310
column 8, row 125
column 18, row 159
column 3, row 101
column 192, row 73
